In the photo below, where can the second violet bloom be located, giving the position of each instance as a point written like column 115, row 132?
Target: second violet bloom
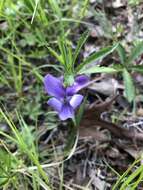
column 64, row 100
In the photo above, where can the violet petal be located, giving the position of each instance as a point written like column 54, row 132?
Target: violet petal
column 66, row 112
column 81, row 79
column 79, row 83
column 71, row 90
column 55, row 103
column 76, row 100
column 53, row 86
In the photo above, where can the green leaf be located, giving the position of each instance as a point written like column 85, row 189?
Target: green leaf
column 122, row 53
column 97, row 55
column 129, row 86
column 137, row 68
column 97, row 69
column 63, row 49
column 135, row 53
column 55, row 54
column 3, row 180
column 69, row 58
column 118, row 67
column 81, row 42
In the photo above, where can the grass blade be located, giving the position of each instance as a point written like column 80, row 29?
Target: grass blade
column 131, row 178
column 129, row 85
column 81, row 42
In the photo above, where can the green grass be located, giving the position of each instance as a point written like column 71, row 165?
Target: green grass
column 34, row 168
column 28, row 28
column 32, row 31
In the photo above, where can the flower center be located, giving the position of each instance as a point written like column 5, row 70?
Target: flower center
column 66, row 99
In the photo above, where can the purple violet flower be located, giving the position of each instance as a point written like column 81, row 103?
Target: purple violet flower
column 64, row 100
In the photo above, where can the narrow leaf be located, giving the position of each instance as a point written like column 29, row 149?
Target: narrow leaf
column 129, row 86
column 136, row 52
column 137, row 68
column 55, row 54
column 97, row 55
column 97, row 69
column 81, row 42
column 63, row 50
column 122, row 53
column 69, row 58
